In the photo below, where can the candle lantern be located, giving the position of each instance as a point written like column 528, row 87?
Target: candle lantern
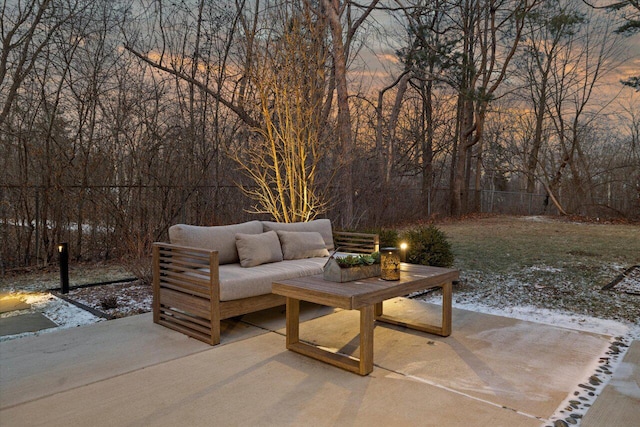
column 390, row 264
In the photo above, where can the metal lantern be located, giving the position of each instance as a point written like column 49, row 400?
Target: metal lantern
column 390, row 264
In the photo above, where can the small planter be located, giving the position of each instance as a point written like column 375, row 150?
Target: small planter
column 334, row 273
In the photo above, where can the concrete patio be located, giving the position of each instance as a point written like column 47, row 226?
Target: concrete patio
column 492, row 371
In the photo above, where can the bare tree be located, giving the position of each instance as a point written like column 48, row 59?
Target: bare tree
column 491, row 32
column 575, row 74
column 432, row 38
column 548, row 29
column 629, row 11
column 344, row 24
column 27, row 28
column 283, row 160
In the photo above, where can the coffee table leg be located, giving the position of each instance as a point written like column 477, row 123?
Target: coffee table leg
column 293, row 321
column 366, row 339
column 443, row 330
column 378, row 309
column 362, row 366
column 446, row 308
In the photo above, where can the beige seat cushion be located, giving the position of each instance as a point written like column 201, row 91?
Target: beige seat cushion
column 256, row 249
column 220, row 238
column 237, row 282
column 322, row 226
column 302, row 244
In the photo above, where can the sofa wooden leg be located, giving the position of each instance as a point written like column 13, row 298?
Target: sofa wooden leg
column 215, row 333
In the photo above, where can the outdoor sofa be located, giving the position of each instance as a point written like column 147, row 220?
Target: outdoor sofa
column 207, row 274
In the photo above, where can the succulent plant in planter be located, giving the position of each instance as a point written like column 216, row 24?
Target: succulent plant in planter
column 352, row 267
column 358, row 260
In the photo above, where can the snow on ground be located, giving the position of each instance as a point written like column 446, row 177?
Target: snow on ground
column 62, row 313
column 125, row 299
column 550, row 317
column 545, row 268
column 115, row 300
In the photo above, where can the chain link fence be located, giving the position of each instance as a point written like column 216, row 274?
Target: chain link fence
column 104, row 222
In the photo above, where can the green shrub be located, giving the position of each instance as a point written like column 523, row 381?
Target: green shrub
column 428, row 246
column 388, row 237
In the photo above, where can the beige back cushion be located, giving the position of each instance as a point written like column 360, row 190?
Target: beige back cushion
column 302, row 244
column 322, row 226
column 220, row 238
column 256, row 249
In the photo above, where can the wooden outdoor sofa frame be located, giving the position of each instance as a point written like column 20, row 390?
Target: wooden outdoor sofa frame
column 187, row 299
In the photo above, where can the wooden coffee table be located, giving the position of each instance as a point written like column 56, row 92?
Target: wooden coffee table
column 366, row 295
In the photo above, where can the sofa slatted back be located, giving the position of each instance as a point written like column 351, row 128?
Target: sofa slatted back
column 359, row 243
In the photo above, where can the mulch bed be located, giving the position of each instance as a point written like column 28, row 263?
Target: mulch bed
column 112, row 301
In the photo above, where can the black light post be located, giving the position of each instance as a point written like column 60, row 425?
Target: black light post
column 63, row 250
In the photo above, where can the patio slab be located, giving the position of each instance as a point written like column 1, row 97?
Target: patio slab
column 29, row 322
column 254, row 382
column 527, row 367
column 9, row 302
column 38, row 366
column 491, row 371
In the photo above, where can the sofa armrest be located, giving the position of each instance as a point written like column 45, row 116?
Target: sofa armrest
column 186, row 298
column 362, row 243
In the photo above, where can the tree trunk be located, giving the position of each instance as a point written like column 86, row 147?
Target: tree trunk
column 532, row 162
column 477, row 191
column 427, row 145
column 344, row 115
column 459, row 195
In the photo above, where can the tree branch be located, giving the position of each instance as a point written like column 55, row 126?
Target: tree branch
column 239, row 111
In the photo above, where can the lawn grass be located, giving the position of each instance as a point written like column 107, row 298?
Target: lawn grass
column 545, row 262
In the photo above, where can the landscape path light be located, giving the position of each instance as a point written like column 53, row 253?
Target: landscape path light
column 63, row 250
column 403, row 251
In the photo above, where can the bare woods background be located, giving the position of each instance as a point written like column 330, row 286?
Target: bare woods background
column 120, row 118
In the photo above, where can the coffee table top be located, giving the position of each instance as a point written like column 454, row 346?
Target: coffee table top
column 364, row 292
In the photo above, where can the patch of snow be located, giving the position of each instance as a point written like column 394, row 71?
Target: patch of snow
column 562, row 319
column 62, row 313
column 544, row 268
column 72, row 226
column 537, row 218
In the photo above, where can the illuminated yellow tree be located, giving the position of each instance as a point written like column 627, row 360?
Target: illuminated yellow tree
column 282, row 160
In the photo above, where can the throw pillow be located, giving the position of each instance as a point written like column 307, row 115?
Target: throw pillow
column 256, row 249
column 302, row 244
column 322, row 226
